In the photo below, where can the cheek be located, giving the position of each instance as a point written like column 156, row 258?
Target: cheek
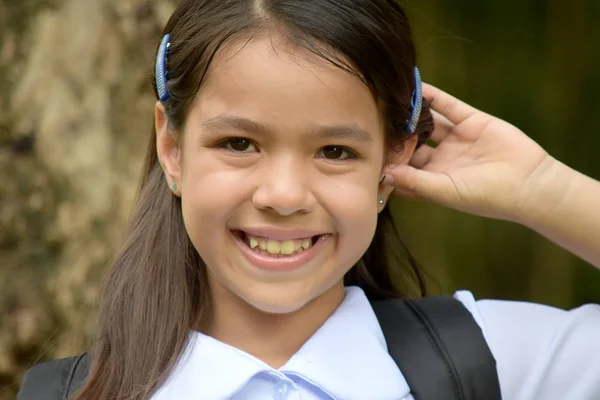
column 213, row 192
column 210, row 194
column 353, row 206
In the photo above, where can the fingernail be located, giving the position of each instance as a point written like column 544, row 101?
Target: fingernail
column 391, row 166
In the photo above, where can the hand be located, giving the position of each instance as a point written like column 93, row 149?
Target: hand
column 481, row 165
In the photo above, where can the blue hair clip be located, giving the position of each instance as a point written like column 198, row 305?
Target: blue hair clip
column 416, row 103
column 161, row 69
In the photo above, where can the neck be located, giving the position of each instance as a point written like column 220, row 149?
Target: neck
column 272, row 338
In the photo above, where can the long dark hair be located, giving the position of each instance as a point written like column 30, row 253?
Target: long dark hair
column 157, row 290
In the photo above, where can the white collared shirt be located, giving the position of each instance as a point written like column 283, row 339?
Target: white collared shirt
column 542, row 353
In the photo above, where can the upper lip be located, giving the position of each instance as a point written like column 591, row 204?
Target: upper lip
column 281, row 233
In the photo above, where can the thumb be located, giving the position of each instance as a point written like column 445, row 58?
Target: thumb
column 417, row 183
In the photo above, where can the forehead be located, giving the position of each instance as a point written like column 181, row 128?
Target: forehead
column 279, row 83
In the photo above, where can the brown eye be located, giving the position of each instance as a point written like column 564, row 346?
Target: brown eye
column 239, row 145
column 338, row 153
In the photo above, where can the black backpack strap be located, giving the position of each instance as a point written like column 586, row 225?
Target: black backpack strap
column 440, row 348
column 54, row 380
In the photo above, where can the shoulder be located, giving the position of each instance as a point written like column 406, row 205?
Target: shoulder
column 541, row 351
column 51, row 379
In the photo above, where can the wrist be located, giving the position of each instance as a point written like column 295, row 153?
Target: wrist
column 544, row 192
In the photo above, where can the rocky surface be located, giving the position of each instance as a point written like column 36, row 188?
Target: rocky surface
column 75, row 103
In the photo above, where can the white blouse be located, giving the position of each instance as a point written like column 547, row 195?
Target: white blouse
column 541, row 352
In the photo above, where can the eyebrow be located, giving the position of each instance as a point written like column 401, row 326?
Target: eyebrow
column 229, row 122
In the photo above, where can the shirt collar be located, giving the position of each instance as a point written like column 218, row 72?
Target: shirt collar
column 347, row 358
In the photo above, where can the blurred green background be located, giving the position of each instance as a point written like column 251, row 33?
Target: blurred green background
column 76, row 109
column 535, row 64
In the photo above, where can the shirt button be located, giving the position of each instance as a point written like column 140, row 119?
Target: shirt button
column 281, row 390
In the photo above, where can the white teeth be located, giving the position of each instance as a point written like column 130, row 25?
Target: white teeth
column 287, row 247
column 272, row 246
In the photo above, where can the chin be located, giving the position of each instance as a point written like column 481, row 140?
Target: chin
column 278, row 308
column 282, row 300
column 270, row 302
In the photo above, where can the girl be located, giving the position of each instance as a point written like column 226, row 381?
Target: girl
column 262, row 228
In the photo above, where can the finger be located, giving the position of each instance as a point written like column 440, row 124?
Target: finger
column 443, row 127
column 405, row 194
column 450, row 107
column 421, row 157
column 415, row 183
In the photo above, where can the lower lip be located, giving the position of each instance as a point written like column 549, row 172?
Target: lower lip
column 286, row 263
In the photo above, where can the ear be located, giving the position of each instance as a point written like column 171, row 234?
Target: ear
column 399, row 156
column 167, row 149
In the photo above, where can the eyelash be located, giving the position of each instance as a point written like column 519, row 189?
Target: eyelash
column 350, row 154
column 225, row 144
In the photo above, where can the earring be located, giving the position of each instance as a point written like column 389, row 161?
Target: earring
column 174, row 186
column 381, row 202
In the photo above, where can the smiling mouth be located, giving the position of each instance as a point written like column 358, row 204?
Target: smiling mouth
column 276, row 248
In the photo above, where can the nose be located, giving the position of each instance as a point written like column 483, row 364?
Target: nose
column 283, row 187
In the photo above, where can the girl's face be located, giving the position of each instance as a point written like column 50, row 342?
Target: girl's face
column 281, row 153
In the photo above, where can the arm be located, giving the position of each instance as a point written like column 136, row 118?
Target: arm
column 566, row 210
column 485, row 166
